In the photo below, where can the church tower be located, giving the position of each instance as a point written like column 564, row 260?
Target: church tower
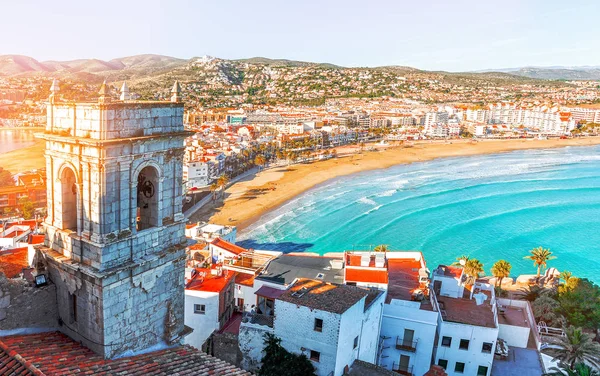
column 115, row 241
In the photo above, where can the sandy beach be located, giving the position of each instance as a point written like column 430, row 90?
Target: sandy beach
column 246, row 201
column 24, row 159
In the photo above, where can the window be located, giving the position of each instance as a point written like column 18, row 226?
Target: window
column 318, row 325
column 355, row 342
column 147, row 198
column 200, row 309
column 67, row 209
column 459, row 367
column 464, row 344
column 446, row 341
column 487, row 348
column 73, row 307
column 443, row 363
column 482, row 371
column 315, row 356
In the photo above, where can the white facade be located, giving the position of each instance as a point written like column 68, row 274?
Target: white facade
column 399, row 317
column 474, row 356
column 198, row 174
column 204, row 322
column 343, row 339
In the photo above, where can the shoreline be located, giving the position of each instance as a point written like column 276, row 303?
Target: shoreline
column 247, row 201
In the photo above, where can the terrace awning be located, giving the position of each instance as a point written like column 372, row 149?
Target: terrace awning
column 269, row 292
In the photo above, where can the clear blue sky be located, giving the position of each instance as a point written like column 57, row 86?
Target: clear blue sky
column 451, row 35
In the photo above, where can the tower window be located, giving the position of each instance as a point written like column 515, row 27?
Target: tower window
column 68, row 200
column 147, row 199
column 73, row 307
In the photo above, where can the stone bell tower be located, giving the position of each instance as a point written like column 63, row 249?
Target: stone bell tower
column 115, row 242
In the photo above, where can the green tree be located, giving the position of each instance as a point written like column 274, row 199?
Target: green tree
column 222, row 182
column 540, row 257
column 473, row 268
column 381, row 248
column 214, row 187
column 580, row 369
column 26, row 207
column 278, row 361
column 530, row 293
column 545, row 309
column 501, row 270
column 576, row 347
column 6, row 179
column 566, row 276
column 461, row 261
column 579, row 302
column 260, row 161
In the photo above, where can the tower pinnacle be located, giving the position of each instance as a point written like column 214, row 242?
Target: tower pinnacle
column 125, row 96
column 53, row 90
column 104, row 93
column 176, row 92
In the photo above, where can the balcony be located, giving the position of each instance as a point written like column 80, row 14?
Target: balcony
column 403, row 370
column 406, row 345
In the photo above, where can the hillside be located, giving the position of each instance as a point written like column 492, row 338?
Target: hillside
column 552, row 73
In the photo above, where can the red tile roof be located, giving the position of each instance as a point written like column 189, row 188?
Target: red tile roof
column 229, row 247
column 36, row 239
column 403, row 278
column 365, row 275
column 204, row 280
column 56, row 354
column 245, row 279
column 13, row 261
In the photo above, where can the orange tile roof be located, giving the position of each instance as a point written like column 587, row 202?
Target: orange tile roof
column 13, row 261
column 229, row 247
column 55, row 354
column 245, row 279
column 365, row 275
column 403, row 274
column 36, row 239
column 204, row 280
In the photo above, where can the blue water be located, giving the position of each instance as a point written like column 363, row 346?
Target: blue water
column 490, row 207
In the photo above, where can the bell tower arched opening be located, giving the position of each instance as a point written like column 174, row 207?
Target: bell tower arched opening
column 147, row 198
column 67, row 209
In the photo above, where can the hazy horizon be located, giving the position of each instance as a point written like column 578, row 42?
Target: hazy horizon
column 459, row 36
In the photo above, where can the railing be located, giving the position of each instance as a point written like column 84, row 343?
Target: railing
column 403, row 370
column 406, row 345
column 258, row 319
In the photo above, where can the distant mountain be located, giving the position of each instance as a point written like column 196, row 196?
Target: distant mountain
column 553, row 72
column 16, row 64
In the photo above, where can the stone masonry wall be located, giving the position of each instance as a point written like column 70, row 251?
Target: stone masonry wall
column 25, row 306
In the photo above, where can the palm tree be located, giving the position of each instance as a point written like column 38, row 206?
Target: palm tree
column 461, row 261
column 472, row 269
column 381, row 248
column 581, row 369
column 540, row 257
column 222, row 181
column 566, row 276
column 213, row 188
column 501, row 270
column 260, row 161
column 576, row 347
column 530, row 293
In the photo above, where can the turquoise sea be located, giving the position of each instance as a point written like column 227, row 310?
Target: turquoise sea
column 490, row 207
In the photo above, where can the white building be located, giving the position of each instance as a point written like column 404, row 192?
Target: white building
column 467, row 326
column 208, row 302
column 409, row 323
column 208, row 232
column 332, row 324
column 199, row 173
